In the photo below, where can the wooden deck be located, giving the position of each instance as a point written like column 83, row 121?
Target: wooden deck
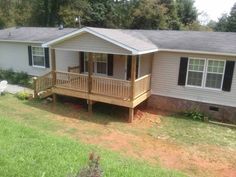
column 103, row 89
column 95, row 88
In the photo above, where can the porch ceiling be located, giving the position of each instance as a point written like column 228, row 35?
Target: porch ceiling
column 102, row 41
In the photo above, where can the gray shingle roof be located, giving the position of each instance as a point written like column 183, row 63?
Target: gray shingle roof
column 140, row 40
column 141, row 43
column 216, row 42
column 34, row 34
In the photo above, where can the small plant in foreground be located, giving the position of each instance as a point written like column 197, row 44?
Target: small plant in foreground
column 93, row 169
column 23, row 95
column 194, row 114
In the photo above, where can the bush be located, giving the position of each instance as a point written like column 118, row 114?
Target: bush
column 195, row 115
column 19, row 78
column 93, row 169
column 23, row 95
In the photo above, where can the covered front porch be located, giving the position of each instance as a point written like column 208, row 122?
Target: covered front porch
column 102, row 72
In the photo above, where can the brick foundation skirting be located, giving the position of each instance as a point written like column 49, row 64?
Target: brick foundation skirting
column 217, row 112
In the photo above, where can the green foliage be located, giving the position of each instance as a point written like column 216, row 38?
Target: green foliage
column 141, row 14
column 227, row 22
column 19, row 78
column 93, row 169
column 23, row 95
column 194, row 114
column 186, row 11
column 149, row 15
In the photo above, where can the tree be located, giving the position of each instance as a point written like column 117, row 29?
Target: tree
column 6, row 13
column 231, row 26
column 222, row 24
column 22, row 12
column 173, row 20
column 45, row 12
column 212, row 24
column 149, row 14
column 227, row 23
column 186, row 11
column 73, row 9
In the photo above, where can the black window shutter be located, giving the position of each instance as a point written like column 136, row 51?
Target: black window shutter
column 128, row 71
column 110, row 64
column 228, row 77
column 81, row 62
column 30, row 55
column 182, row 70
column 47, row 61
column 137, row 66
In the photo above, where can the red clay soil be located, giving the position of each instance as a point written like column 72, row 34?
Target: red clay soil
column 194, row 161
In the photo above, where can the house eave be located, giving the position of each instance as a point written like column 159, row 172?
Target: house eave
column 21, row 41
column 197, row 52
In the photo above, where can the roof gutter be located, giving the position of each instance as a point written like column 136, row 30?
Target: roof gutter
column 20, row 41
column 197, row 52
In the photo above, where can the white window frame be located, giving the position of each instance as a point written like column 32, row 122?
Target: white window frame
column 205, row 72
column 223, row 74
column 38, row 66
column 95, row 65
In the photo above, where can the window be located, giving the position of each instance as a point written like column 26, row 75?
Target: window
column 195, row 72
column 215, row 72
column 38, row 56
column 207, row 73
column 99, row 63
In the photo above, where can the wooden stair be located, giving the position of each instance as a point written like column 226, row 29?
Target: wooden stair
column 45, row 94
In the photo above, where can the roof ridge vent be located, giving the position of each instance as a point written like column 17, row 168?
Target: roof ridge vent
column 61, row 27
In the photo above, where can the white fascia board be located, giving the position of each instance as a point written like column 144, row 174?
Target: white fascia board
column 62, row 38
column 197, row 52
column 146, row 52
column 104, row 52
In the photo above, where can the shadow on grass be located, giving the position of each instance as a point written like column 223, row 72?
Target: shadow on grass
column 74, row 108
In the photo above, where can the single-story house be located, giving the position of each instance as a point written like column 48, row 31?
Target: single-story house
column 172, row 70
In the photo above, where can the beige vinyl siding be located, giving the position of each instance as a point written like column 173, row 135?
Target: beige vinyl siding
column 165, row 77
column 145, row 64
column 90, row 43
column 64, row 59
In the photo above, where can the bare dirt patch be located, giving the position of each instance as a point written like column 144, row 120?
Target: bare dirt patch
column 134, row 140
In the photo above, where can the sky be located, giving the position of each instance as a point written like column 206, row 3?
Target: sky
column 213, row 8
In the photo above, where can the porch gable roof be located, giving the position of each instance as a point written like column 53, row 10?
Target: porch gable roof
column 136, row 46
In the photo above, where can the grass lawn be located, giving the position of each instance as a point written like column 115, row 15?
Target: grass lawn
column 37, row 140
column 27, row 151
column 190, row 132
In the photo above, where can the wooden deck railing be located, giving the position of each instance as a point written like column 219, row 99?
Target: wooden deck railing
column 100, row 85
column 74, row 69
column 142, row 85
column 72, row 81
column 43, row 83
column 111, row 87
